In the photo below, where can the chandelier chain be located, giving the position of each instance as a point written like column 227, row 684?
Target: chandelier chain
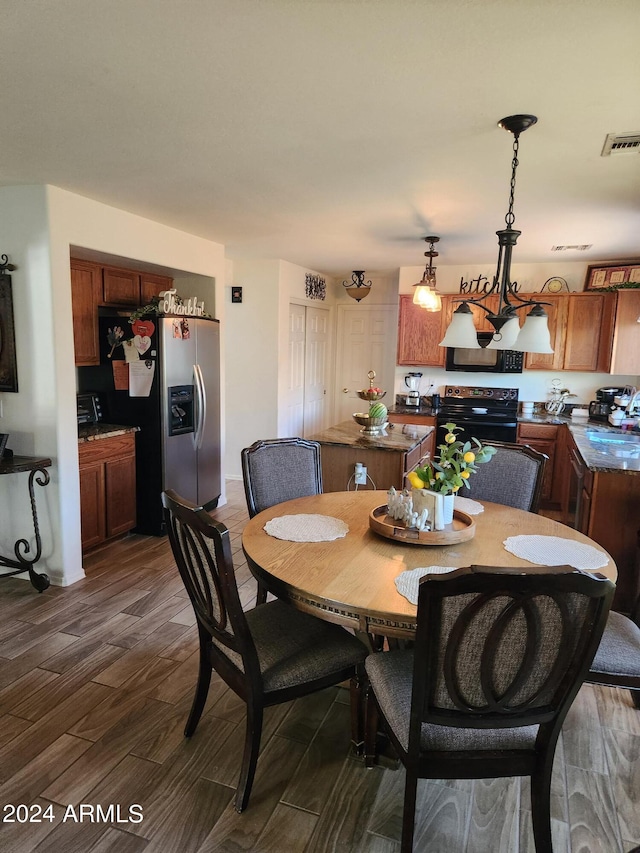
column 510, row 217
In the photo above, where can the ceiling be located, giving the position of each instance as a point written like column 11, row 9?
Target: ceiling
column 335, row 134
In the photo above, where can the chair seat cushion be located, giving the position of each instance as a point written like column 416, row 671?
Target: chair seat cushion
column 294, row 647
column 619, row 650
column 391, row 676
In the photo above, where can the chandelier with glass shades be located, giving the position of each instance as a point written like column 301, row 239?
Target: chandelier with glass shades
column 534, row 335
column 424, row 292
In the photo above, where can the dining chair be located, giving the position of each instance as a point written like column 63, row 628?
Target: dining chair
column 277, row 470
column 513, row 477
column 268, row 655
column 498, row 659
column 617, row 661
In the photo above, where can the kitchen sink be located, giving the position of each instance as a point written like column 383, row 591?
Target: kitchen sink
column 614, row 441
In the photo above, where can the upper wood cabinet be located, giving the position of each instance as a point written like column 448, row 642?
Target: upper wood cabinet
column 94, row 286
column 153, row 285
column 127, row 287
column 419, row 334
column 86, row 293
column 625, row 354
column 581, row 327
column 589, row 331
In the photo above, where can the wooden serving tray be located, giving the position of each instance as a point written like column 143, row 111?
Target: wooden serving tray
column 462, row 527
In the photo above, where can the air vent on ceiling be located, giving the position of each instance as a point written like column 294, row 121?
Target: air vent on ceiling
column 621, row 143
column 581, row 248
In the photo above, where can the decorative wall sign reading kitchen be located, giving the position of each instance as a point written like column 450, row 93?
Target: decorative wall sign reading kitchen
column 483, row 285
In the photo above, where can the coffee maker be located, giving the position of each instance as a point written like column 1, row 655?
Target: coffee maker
column 600, row 408
column 412, row 381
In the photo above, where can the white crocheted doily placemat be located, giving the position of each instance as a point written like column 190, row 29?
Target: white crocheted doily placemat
column 467, row 505
column 306, row 527
column 555, row 551
column 407, row 582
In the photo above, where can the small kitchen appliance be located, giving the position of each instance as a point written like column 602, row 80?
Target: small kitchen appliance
column 600, row 408
column 412, row 381
column 89, row 408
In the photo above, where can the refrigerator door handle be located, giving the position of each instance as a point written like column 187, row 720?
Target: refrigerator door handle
column 201, row 397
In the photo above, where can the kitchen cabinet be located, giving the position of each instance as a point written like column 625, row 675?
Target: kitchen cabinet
column 419, row 334
column 128, row 287
column 94, row 285
column 625, row 353
column 604, row 506
column 589, row 330
column 86, row 293
column 544, row 437
column 388, row 457
column 107, row 488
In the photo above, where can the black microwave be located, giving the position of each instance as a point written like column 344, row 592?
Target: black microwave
column 484, row 360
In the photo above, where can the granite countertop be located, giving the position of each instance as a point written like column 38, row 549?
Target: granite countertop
column 604, row 448
column 399, row 409
column 94, row 432
column 402, row 437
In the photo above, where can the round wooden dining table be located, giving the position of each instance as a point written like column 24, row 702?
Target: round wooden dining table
column 350, row 581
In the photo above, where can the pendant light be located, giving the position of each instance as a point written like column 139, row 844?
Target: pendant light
column 534, row 335
column 424, row 292
column 361, row 287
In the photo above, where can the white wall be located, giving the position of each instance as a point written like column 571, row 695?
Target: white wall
column 39, row 224
column 533, row 384
column 257, row 351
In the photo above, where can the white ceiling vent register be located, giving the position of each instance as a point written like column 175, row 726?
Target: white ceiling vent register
column 621, row 143
column 582, row 247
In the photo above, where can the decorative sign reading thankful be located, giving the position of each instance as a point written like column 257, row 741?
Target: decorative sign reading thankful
column 170, row 305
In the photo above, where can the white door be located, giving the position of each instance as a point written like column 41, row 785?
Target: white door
column 366, row 341
column 308, row 370
column 316, row 361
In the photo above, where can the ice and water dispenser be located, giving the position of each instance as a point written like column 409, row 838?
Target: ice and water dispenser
column 181, row 409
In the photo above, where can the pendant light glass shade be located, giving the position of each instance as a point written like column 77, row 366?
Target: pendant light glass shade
column 426, row 298
column 506, row 337
column 534, row 335
column 461, row 331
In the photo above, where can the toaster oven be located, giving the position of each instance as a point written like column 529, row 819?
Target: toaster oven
column 89, row 409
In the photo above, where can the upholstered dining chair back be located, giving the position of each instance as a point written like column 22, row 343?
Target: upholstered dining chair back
column 278, row 470
column 514, row 477
column 499, row 657
column 268, row 655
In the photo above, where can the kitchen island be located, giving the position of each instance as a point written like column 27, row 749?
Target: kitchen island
column 388, row 456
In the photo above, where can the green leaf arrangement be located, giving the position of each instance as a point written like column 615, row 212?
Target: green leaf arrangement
column 451, row 469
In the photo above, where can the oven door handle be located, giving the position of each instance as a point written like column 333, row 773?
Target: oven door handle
column 483, row 422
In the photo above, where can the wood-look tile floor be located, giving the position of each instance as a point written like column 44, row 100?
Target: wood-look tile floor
column 96, row 682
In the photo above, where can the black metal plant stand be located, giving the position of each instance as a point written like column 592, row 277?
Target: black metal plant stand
column 36, row 466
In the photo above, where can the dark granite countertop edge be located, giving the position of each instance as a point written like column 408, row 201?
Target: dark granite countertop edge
column 96, row 432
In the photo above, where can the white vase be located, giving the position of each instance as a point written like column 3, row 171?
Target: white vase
column 447, row 509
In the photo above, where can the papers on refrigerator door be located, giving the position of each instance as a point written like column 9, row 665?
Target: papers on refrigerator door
column 141, row 375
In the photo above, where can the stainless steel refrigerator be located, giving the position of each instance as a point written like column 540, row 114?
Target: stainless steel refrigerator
column 178, row 443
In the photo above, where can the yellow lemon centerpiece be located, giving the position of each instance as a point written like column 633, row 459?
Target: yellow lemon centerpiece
column 452, row 467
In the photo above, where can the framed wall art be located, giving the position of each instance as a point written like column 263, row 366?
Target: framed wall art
column 8, row 365
column 601, row 276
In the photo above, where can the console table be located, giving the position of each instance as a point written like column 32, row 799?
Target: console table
column 25, row 558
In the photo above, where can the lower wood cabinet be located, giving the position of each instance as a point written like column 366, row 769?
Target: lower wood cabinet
column 107, row 488
column 544, row 437
column 386, row 467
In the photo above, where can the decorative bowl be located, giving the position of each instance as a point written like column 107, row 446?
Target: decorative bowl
column 370, row 426
column 371, row 396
